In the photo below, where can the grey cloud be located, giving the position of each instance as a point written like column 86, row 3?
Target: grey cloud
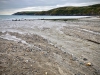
column 4, row 4
column 18, row 4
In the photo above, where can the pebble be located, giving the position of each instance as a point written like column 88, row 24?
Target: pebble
column 26, row 61
column 33, row 61
column 35, row 71
column 98, row 72
column 64, row 52
column 13, row 50
column 25, row 54
column 31, row 65
column 19, row 41
column 79, row 73
column 74, row 58
column 81, row 63
column 85, row 59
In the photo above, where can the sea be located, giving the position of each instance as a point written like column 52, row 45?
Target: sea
column 22, row 17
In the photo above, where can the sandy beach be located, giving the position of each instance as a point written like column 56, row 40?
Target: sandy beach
column 48, row 47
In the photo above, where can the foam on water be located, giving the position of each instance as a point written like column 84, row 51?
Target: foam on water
column 14, row 38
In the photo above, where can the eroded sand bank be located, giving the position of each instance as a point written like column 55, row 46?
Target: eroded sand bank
column 47, row 47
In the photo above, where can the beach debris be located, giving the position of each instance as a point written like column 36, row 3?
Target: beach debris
column 46, row 73
column 88, row 64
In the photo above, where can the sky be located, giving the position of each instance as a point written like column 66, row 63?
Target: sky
column 8, row 7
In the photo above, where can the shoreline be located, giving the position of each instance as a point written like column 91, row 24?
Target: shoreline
column 29, row 17
column 88, row 18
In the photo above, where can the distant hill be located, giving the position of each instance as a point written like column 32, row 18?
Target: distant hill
column 65, row 11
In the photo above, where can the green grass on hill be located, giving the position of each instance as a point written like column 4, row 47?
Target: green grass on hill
column 71, row 11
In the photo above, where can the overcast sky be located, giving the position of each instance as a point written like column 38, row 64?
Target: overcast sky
column 11, row 6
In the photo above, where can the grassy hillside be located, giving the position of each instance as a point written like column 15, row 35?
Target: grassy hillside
column 85, row 10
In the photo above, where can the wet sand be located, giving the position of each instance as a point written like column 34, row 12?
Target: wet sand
column 47, row 47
